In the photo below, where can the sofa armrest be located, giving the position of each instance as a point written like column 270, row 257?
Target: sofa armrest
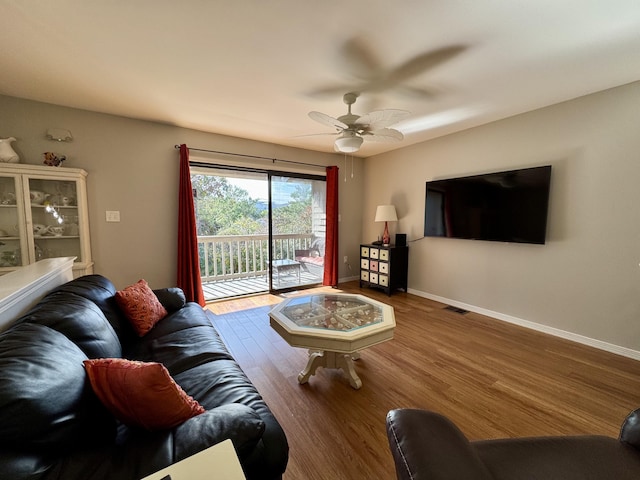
column 171, row 298
column 426, row 445
column 237, row 422
column 630, row 430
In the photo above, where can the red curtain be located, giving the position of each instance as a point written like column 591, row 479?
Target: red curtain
column 331, row 246
column 188, row 259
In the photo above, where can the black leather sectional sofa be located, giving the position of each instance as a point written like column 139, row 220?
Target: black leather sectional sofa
column 52, row 425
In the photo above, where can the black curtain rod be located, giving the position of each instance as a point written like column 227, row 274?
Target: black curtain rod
column 273, row 160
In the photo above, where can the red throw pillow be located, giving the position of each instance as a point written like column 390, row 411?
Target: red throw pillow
column 140, row 394
column 141, row 306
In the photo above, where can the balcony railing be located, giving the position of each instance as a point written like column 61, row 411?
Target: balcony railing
column 227, row 257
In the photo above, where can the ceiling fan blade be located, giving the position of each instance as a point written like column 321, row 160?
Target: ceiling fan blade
column 330, row 91
column 382, row 118
column 330, row 134
column 383, row 135
column 417, row 92
column 327, row 120
column 420, row 64
column 360, row 59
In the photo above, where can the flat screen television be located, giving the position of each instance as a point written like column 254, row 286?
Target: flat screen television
column 508, row 206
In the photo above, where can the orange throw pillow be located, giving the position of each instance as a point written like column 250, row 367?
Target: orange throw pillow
column 141, row 394
column 141, row 306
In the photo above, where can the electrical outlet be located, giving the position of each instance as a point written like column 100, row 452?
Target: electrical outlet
column 346, row 259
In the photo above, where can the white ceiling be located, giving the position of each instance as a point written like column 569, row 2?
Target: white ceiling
column 253, row 68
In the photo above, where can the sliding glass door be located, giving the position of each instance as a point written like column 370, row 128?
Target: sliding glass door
column 258, row 231
column 298, row 228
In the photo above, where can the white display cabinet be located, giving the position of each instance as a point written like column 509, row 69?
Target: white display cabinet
column 43, row 214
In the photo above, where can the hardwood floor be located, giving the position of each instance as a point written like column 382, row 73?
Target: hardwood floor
column 491, row 378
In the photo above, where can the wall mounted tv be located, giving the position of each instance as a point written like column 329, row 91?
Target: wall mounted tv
column 506, row 206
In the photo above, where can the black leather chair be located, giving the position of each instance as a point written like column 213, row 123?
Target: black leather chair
column 426, row 445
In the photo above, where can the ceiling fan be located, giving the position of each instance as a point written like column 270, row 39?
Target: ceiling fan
column 354, row 129
column 373, row 77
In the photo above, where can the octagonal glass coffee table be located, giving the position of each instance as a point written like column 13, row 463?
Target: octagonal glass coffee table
column 334, row 327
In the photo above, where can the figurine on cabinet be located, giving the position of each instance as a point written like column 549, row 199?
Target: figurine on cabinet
column 53, row 159
column 7, row 153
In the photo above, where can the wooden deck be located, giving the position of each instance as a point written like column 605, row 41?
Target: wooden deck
column 226, row 289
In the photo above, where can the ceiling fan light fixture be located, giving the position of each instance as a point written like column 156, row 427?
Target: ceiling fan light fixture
column 352, row 128
column 348, row 143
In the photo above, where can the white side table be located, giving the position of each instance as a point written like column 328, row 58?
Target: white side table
column 219, row 461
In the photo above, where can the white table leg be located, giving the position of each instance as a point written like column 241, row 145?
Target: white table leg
column 343, row 361
column 316, row 359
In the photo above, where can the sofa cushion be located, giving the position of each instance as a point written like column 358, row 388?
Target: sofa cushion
column 80, row 320
column 101, row 291
column 141, row 306
column 180, row 341
column 45, row 398
column 171, row 298
column 237, row 422
column 222, row 382
column 140, row 394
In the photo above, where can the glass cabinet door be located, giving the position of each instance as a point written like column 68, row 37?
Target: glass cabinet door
column 12, row 238
column 43, row 214
column 53, row 217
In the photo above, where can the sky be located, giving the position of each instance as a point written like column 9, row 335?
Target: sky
column 258, row 189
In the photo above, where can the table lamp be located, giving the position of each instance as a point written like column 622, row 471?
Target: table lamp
column 386, row 213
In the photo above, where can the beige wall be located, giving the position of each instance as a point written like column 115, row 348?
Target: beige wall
column 586, row 279
column 133, row 168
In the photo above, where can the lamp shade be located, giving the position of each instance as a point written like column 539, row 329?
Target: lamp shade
column 348, row 143
column 386, row 213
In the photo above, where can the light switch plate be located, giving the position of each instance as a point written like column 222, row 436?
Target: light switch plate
column 113, row 216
